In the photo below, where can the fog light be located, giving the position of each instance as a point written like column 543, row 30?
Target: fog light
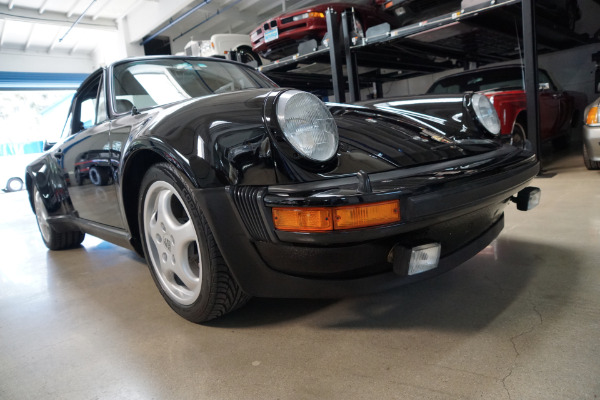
column 424, row 258
column 527, row 198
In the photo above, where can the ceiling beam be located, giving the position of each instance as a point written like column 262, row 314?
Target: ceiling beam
column 74, row 48
column 30, row 38
column 100, row 9
column 43, row 7
column 54, row 18
column 2, row 34
column 54, row 42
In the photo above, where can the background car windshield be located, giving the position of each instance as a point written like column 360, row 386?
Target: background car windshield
column 153, row 83
column 483, row 80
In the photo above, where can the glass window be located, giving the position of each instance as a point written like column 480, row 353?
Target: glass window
column 101, row 114
column 151, row 83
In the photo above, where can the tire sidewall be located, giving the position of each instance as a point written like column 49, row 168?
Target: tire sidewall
column 166, row 172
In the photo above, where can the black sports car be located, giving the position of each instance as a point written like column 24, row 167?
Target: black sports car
column 231, row 187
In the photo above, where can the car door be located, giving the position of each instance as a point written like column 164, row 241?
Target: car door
column 551, row 113
column 86, row 156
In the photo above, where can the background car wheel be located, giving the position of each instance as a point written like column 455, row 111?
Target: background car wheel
column 247, row 55
column 99, row 176
column 183, row 258
column 52, row 239
column 589, row 164
column 518, row 136
column 14, row 185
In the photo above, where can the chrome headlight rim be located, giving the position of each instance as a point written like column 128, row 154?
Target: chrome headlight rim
column 299, row 118
column 485, row 114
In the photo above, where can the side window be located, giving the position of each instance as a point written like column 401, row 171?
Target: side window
column 88, row 113
column 84, row 112
column 101, row 114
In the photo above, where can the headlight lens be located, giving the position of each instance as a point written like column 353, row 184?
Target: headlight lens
column 307, row 125
column 486, row 114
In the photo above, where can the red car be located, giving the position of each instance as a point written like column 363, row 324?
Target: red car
column 279, row 37
column 503, row 85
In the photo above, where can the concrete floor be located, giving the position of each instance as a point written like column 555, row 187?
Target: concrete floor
column 519, row 321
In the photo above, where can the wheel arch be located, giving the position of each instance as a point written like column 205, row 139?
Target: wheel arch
column 136, row 164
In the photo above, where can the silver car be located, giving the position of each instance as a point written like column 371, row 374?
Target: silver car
column 591, row 135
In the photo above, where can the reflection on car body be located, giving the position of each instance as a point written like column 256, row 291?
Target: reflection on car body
column 231, row 187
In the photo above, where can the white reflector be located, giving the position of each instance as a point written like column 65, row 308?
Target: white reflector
column 423, row 258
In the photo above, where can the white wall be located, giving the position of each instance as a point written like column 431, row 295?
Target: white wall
column 44, row 62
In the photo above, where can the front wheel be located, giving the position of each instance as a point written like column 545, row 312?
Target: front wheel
column 182, row 255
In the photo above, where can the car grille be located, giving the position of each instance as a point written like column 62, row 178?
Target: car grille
column 247, row 200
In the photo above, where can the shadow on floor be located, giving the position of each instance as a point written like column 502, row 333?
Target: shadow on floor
column 466, row 298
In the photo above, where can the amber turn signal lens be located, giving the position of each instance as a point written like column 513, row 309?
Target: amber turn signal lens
column 592, row 117
column 364, row 215
column 327, row 219
column 303, row 219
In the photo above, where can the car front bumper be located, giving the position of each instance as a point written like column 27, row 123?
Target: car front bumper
column 591, row 140
column 458, row 204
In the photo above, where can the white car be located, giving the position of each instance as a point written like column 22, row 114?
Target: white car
column 591, row 136
column 221, row 44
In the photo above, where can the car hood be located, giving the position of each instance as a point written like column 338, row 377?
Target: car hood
column 231, row 133
column 409, row 131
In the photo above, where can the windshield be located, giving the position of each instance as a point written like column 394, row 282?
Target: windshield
column 505, row 78
column 151, row 83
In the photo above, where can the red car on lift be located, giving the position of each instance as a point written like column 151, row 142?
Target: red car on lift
column 279, row 36
column 560, row 109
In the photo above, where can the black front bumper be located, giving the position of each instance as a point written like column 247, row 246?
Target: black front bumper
column 458, row 204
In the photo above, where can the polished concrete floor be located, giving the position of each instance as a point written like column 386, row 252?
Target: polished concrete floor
column 521, row 320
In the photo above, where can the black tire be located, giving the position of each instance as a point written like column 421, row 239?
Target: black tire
column 183, row 258
column 247, row 55
column 53, row 239
column 14, row 185
column 589, row 164
column 518, row 137
column 99, row 176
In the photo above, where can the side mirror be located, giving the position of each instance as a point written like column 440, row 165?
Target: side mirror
column 544, row 86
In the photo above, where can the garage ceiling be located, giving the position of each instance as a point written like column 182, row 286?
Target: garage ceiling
column 79, row 28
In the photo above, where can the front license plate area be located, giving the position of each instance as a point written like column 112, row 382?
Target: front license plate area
column 271, row 34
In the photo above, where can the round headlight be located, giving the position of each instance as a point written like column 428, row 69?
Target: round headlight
column 486, row 114
column 307, row 125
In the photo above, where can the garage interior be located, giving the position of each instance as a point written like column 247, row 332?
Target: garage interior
column 520, row 320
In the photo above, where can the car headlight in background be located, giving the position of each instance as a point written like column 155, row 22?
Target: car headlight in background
column 486, row 114
column 307, row 125
column 593, row 116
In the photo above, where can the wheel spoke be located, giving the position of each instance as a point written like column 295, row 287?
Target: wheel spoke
column 170, row 238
